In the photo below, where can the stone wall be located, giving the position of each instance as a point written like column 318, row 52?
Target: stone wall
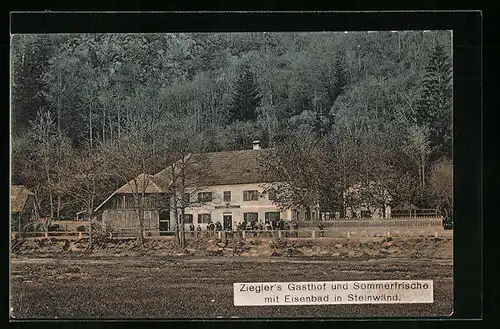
column 360, row 248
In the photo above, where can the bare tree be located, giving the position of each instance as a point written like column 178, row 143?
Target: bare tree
column 87, row 181
column 49, row 151
column 295, row 170
column 418, row 148
column 188, row 174
column 441, row 185
column 133, row 157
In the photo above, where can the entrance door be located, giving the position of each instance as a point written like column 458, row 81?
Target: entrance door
column 164, row 228
column 164, row 218
column 228, row 222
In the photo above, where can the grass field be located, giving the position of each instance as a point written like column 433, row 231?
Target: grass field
column 202, row 287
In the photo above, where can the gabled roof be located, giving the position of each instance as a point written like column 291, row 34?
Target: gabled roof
column 18, row 197
column 138, row 184
column 237, row 167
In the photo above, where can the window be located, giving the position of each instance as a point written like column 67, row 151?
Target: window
column 188, row 218
column 204, row 218
column 227, row 196
column 204, row 196
column 129, row 201
column 271, row 216
column 250, row 195
column 250, row 217
column 272, row 195
column 185, row 198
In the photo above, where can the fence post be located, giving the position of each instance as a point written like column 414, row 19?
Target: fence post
column 279, row 233
column 219, row 234
column 244, row 234
column 46, row 234
column 388, row 234
column 110, row 235
column 436, row 234
column 348, row 234
column 314, row 234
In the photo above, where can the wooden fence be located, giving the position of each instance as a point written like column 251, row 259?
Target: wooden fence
column 71, row 235
column 298, row 234
column 414, row 213
column 333, row 228
column 361, row 223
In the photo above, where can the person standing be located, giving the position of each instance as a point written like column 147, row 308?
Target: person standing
column 269, row 228
column 259, row 228
column 191, row 229
column 296, row 229
column 211, row 228
column 321, row 227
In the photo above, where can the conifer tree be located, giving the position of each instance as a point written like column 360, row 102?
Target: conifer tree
column 434, row 108
column 340, row 79
column 246, row 97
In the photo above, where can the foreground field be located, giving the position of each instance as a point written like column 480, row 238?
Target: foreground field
column 202, row 287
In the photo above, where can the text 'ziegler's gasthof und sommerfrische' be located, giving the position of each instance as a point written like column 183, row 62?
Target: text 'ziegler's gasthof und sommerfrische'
column 334, row 292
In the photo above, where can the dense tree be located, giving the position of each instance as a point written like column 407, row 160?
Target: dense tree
column 246, row 97
column 30, row 56
column 373, row 107
column 435, row 104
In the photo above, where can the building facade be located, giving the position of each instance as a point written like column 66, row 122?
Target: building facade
column 235, row 203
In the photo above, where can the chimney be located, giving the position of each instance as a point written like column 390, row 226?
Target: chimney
column 256, row 145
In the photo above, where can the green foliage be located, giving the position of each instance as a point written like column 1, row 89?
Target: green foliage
column 435, row 104
column 246, row 97
column 29, row 63
column 356, row 94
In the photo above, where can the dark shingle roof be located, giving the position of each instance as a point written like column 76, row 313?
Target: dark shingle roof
column 236, row 167
column 222, row 168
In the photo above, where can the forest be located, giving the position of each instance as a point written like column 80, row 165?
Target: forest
column 90, row 112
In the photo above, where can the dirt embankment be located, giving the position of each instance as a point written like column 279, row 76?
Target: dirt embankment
column 332, row 248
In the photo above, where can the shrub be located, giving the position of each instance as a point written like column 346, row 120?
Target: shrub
column 54, row 227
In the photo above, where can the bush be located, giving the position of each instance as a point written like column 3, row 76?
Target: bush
column 34, row 227
column 54, row 227
column 99, row 232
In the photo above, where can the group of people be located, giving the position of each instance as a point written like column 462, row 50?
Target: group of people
column 256, row 228
column 211, row 227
